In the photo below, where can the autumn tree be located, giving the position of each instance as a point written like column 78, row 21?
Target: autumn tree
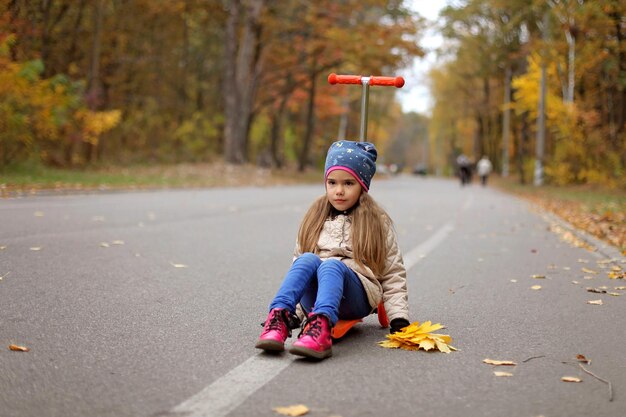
column 583, row 50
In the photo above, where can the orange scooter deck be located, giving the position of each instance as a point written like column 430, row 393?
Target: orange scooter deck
column 342, row 326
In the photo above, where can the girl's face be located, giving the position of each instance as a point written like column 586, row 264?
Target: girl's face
column 342, row 190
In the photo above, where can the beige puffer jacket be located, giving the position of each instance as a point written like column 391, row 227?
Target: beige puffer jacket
column 334, row 243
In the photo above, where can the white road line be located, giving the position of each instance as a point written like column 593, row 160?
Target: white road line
column 414, row 256
column 231, row 390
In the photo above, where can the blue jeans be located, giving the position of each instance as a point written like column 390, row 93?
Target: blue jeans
column 324, row 287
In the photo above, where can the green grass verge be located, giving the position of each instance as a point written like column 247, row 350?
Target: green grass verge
column 32, row 178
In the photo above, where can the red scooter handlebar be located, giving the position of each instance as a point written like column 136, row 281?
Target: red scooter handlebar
column 397, row 82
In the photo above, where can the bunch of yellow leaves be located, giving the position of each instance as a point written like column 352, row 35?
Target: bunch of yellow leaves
column 417, row 336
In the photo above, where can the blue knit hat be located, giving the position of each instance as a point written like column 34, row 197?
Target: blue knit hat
column 357, row 158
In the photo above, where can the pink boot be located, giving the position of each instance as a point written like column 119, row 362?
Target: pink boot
column 275, row 331
column 314, row 341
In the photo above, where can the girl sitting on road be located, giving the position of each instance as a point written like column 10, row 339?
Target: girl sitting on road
column 346, row 260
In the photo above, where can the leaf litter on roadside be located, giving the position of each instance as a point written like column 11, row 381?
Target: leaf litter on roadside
column 418, row 336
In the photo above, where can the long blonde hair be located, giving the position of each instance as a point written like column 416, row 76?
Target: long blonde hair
column 369, row 230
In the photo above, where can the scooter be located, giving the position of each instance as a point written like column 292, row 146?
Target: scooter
column 342, row 326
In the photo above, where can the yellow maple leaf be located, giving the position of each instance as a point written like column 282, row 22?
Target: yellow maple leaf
column 417, row 336
column 427, row 344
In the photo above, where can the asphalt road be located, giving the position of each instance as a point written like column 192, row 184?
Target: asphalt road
column 149, row 304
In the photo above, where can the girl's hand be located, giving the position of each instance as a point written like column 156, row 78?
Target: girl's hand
column 397, row 325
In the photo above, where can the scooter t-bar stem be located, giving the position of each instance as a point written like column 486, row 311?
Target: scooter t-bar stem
column 397, row 82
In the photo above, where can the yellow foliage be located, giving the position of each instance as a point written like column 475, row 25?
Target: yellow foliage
column 417, row 336
column 527, row 91
column 95, row 123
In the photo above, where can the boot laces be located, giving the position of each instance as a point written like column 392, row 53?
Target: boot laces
column 312, row 326
column 280, row 317
column 275, row 321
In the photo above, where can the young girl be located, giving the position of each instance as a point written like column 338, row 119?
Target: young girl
column 346, row 260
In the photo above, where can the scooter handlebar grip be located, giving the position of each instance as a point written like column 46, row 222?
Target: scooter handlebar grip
column 397, row 82
column 344, row 79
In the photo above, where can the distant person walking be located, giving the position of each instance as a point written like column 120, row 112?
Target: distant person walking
column 464, row 166
column 484, row 168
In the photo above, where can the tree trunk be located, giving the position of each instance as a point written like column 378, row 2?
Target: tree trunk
column 506, row 121
column 275, row 136
column 94, row 82
column 541, row 112
column 310, row 123
column 617, row 131
column 571, row 65
column 343, row 120
column 73, row 49
column 521, row 148
column 231, row 89
column 241, row 76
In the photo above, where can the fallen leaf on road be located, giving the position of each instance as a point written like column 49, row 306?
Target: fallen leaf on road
column 292, row 410
column 417, row 336
column 614, row 294
column 583, row 358
column 538, row 276
column 178, row 265
column 36, row 248
column 589, row 271
column 118, row 242
column 499, row 363
column 583, row 261
column 596, row 290
column 617, row 275
column 105, row 245
column 38, row 214
column 535, row 287
column 513, row 280
column 620, row 288
column 595, row 302
column 575, row 282
column 497, row 373
column 570, row 379
column 17, row 348
column 2, row 247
